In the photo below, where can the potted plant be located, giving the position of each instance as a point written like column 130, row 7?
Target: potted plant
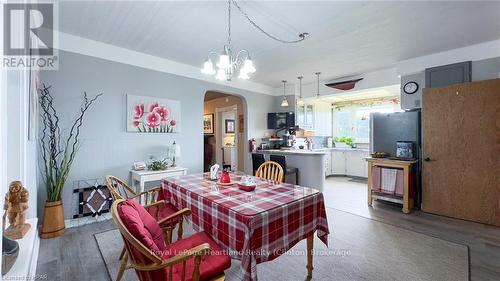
column 57, row 151
column 343, row 142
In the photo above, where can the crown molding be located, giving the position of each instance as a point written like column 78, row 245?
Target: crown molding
column 84, row 46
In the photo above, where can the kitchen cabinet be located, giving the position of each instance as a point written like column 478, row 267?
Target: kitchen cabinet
column 315, row 116
column 280, row 120
column 322, row 119
column 355, row 164
column 305, row 116
column 349, row 162
column 338, row 162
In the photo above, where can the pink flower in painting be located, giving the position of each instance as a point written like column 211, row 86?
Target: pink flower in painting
column 136, row 124
column 172, row 122
column 138, row 111
column 162, row 111
column 153, row 106
column 153, row 119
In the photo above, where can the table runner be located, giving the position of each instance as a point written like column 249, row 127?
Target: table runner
column 255, row 226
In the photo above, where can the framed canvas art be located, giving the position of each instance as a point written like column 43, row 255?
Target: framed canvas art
column 229, row 126
column 153, row 115
column 208, row 124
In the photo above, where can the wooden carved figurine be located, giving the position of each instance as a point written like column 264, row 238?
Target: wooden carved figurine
column 16, row 204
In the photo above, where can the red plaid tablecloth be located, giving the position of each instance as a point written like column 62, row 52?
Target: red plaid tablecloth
column 255, row 226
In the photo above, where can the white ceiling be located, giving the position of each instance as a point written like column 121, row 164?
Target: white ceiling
column 346, row 37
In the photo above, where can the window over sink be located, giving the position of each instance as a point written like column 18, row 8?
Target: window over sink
column 354, row 121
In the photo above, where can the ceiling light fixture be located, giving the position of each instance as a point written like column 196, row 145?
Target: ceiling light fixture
column 317, row 93
column 284, row 102
column 229, row 63
column 300, row 102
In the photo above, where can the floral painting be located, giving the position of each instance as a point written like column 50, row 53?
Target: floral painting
column 153, row 115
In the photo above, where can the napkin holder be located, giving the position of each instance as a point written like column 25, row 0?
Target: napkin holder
column 213, row 171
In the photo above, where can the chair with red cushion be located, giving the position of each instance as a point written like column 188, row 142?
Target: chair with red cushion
column 196, row 257
column 151, row 199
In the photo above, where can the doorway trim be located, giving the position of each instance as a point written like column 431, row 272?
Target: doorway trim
column 219, row 129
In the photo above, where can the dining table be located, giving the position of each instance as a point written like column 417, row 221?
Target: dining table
column 252, row 226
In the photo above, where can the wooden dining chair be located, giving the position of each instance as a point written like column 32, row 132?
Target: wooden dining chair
column 270, row 170
column 158, row 208
column 154, row 259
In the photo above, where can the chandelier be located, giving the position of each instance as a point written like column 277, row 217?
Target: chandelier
column 229, row 62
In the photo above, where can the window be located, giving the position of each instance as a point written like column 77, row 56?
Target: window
column 344, row 126
column 355, row 121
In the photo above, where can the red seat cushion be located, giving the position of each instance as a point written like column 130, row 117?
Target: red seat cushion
column 164, row 211
column 142, row 225
column 210, row 266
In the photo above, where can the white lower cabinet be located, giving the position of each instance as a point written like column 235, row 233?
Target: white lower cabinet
column 349, row 162
column 338, row 162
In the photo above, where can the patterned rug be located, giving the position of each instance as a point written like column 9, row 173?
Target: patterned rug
column 360, row 249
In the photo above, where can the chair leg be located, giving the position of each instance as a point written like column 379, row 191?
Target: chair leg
column 123, row 265
column 122, row 253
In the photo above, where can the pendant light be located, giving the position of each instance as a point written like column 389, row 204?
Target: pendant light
column 317, row 94
column 284, row 102
column 300, row 102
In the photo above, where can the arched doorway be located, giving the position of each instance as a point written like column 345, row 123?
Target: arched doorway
column 224, row 131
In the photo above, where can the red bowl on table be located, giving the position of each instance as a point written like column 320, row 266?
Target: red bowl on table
column 247, row 187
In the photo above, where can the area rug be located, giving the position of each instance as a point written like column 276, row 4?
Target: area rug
column 359, row 249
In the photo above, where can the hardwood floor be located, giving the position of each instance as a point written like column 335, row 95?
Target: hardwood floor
column 75, row 255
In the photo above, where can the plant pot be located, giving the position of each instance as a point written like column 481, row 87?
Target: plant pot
column 53, row 220
column 341, row 145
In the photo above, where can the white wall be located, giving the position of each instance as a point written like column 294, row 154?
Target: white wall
column 106, row 147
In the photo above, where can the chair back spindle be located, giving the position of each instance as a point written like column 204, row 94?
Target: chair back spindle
column 270, row 170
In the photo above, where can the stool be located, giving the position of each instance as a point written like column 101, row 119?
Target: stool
column 257, row 160
column 280, row 159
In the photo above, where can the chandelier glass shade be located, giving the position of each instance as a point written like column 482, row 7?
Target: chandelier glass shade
column 284, row 102
column 228, row 63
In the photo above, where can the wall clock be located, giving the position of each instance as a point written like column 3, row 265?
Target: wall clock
column 410, row 87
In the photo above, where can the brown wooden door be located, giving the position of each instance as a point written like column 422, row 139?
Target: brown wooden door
column 461, row 151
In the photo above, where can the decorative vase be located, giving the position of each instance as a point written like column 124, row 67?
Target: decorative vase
column 53, row 220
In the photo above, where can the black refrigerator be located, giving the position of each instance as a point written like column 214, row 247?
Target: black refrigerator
column 386, row 129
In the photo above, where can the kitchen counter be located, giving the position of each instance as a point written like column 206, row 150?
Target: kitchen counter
column 309, row 162
column 292, row 151
column 342, row 149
